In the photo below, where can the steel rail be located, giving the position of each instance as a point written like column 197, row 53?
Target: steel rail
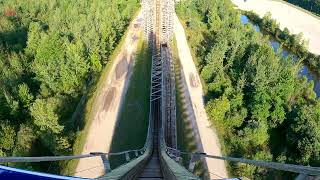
column 307, row 170
column 62, row 158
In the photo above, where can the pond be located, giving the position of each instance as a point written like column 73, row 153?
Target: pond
column 245, row 20
column 305, row 71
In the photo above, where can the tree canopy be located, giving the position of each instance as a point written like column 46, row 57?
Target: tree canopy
column 51, row 51
column 254, row 97
column 310, row 5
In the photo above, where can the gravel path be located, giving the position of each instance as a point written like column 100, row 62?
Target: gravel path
column 108, row 103
column 294, row 19
column 206, row 137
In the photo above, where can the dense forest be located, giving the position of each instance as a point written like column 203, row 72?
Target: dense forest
column 51, row 52
column 310, row 5
column 254, row 97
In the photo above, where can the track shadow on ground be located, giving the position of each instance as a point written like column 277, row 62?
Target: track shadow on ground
column 185, row 130
column 132, row 123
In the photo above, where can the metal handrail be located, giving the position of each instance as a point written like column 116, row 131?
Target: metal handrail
column 300, row 169
column 61, row 158
column 44, row 158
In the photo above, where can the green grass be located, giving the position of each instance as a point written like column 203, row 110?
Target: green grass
column 84, row 113
column 132, row 125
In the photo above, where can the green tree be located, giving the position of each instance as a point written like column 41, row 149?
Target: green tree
column 45, row 114
column 303, row 135
column 218, row 108
column 26, row 136
column 51, row 52
column 24, row 94
column 254, row 97
column 7, row 136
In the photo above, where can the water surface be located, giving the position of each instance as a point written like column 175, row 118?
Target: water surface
column 305, row 71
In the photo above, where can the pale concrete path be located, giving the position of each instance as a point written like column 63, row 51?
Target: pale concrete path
column 294, row 19
column 108, row 102
column 208, row 137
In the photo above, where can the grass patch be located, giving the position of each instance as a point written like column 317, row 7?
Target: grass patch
column 85, row 109
column 132, row 125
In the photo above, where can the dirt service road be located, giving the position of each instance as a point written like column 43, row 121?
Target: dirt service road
column 107, row 104
column 207, row 138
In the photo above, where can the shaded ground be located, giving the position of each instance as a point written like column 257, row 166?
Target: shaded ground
column 132, row 124
column 109, row 96
column 122, row 67
column 107, row 103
